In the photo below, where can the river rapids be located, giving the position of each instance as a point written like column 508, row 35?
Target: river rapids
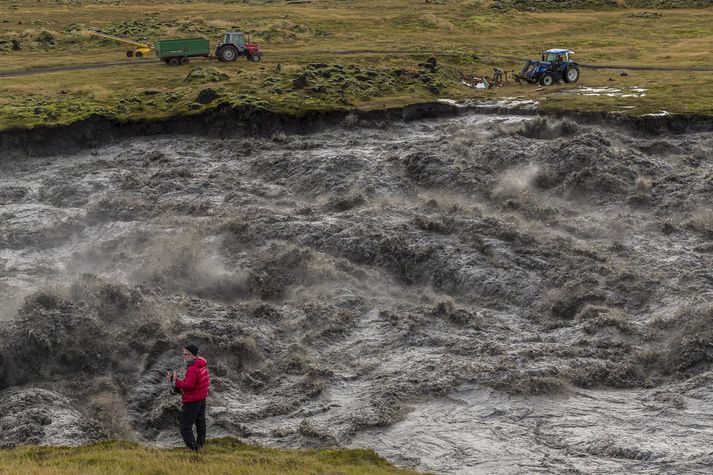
column 480, row 294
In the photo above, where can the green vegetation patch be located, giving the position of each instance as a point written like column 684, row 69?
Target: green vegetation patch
column 352, row 82
column 669, row 3
column 31, row 111
column 150, row 27
column 29, row 39
column 544, row 5
column 220, row 456
column 285, row 31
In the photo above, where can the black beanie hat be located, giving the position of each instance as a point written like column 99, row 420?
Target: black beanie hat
column 192, row 348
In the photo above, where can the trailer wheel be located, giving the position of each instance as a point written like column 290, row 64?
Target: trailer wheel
column 129, row 54
column 173, row 62
column 184, row 60
column 547, row 79
column 228, row 53
column 139, row 54
column 255, row 58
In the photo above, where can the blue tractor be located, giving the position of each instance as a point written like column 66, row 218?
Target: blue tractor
column 555, row 66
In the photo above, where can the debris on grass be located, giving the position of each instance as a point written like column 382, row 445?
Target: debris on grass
column 200, row 74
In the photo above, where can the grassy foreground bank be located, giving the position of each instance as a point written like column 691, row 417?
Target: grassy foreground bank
column 220, row 456
column 336, row 54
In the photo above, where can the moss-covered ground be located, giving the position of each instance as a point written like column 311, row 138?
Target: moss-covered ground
column 220, row 456
column 338, row 54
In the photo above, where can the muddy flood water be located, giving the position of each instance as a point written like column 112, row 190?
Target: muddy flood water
column 482, row 294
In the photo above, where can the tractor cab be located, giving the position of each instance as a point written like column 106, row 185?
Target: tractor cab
column 556, row 56
column 234, row 45
column 234, row 38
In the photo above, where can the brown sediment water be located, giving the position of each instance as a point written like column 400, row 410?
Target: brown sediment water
column 477, row 294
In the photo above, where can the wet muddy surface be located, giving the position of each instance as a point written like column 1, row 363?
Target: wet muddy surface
column 630, row 91
column 483, row 294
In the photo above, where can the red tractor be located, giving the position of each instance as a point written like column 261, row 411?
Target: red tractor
column 234, row 45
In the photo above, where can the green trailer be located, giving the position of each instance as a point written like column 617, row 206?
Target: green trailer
column 175, row 52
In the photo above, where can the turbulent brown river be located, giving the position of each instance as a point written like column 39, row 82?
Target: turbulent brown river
column 482, row 294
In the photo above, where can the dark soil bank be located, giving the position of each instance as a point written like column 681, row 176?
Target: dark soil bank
column 474, row 294
column 226, row 121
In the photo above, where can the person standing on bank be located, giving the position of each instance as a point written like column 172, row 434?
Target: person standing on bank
column 194, row 387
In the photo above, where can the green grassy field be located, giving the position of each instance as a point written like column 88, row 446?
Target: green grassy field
column 220, row 456
column 466, row 37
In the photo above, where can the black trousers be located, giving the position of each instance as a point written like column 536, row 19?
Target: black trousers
column 193, row 413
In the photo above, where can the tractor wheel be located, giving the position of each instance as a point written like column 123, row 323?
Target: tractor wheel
column 184, row 60
column 174, row 62
column 129, row 54
column 547, row 79
column 572, row 75
column 228, row 53
column 138, row 54
column 255, row 58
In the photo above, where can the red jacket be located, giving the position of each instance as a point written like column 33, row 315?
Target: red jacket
column 196, row 382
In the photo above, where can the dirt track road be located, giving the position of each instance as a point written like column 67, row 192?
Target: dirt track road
column 133, row 62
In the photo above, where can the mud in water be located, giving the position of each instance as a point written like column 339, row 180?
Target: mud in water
column 486, row 294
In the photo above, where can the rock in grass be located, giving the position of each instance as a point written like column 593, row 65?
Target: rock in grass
column 300, row 82
column 431, row 64
column 206, row 96
column 46, row 38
